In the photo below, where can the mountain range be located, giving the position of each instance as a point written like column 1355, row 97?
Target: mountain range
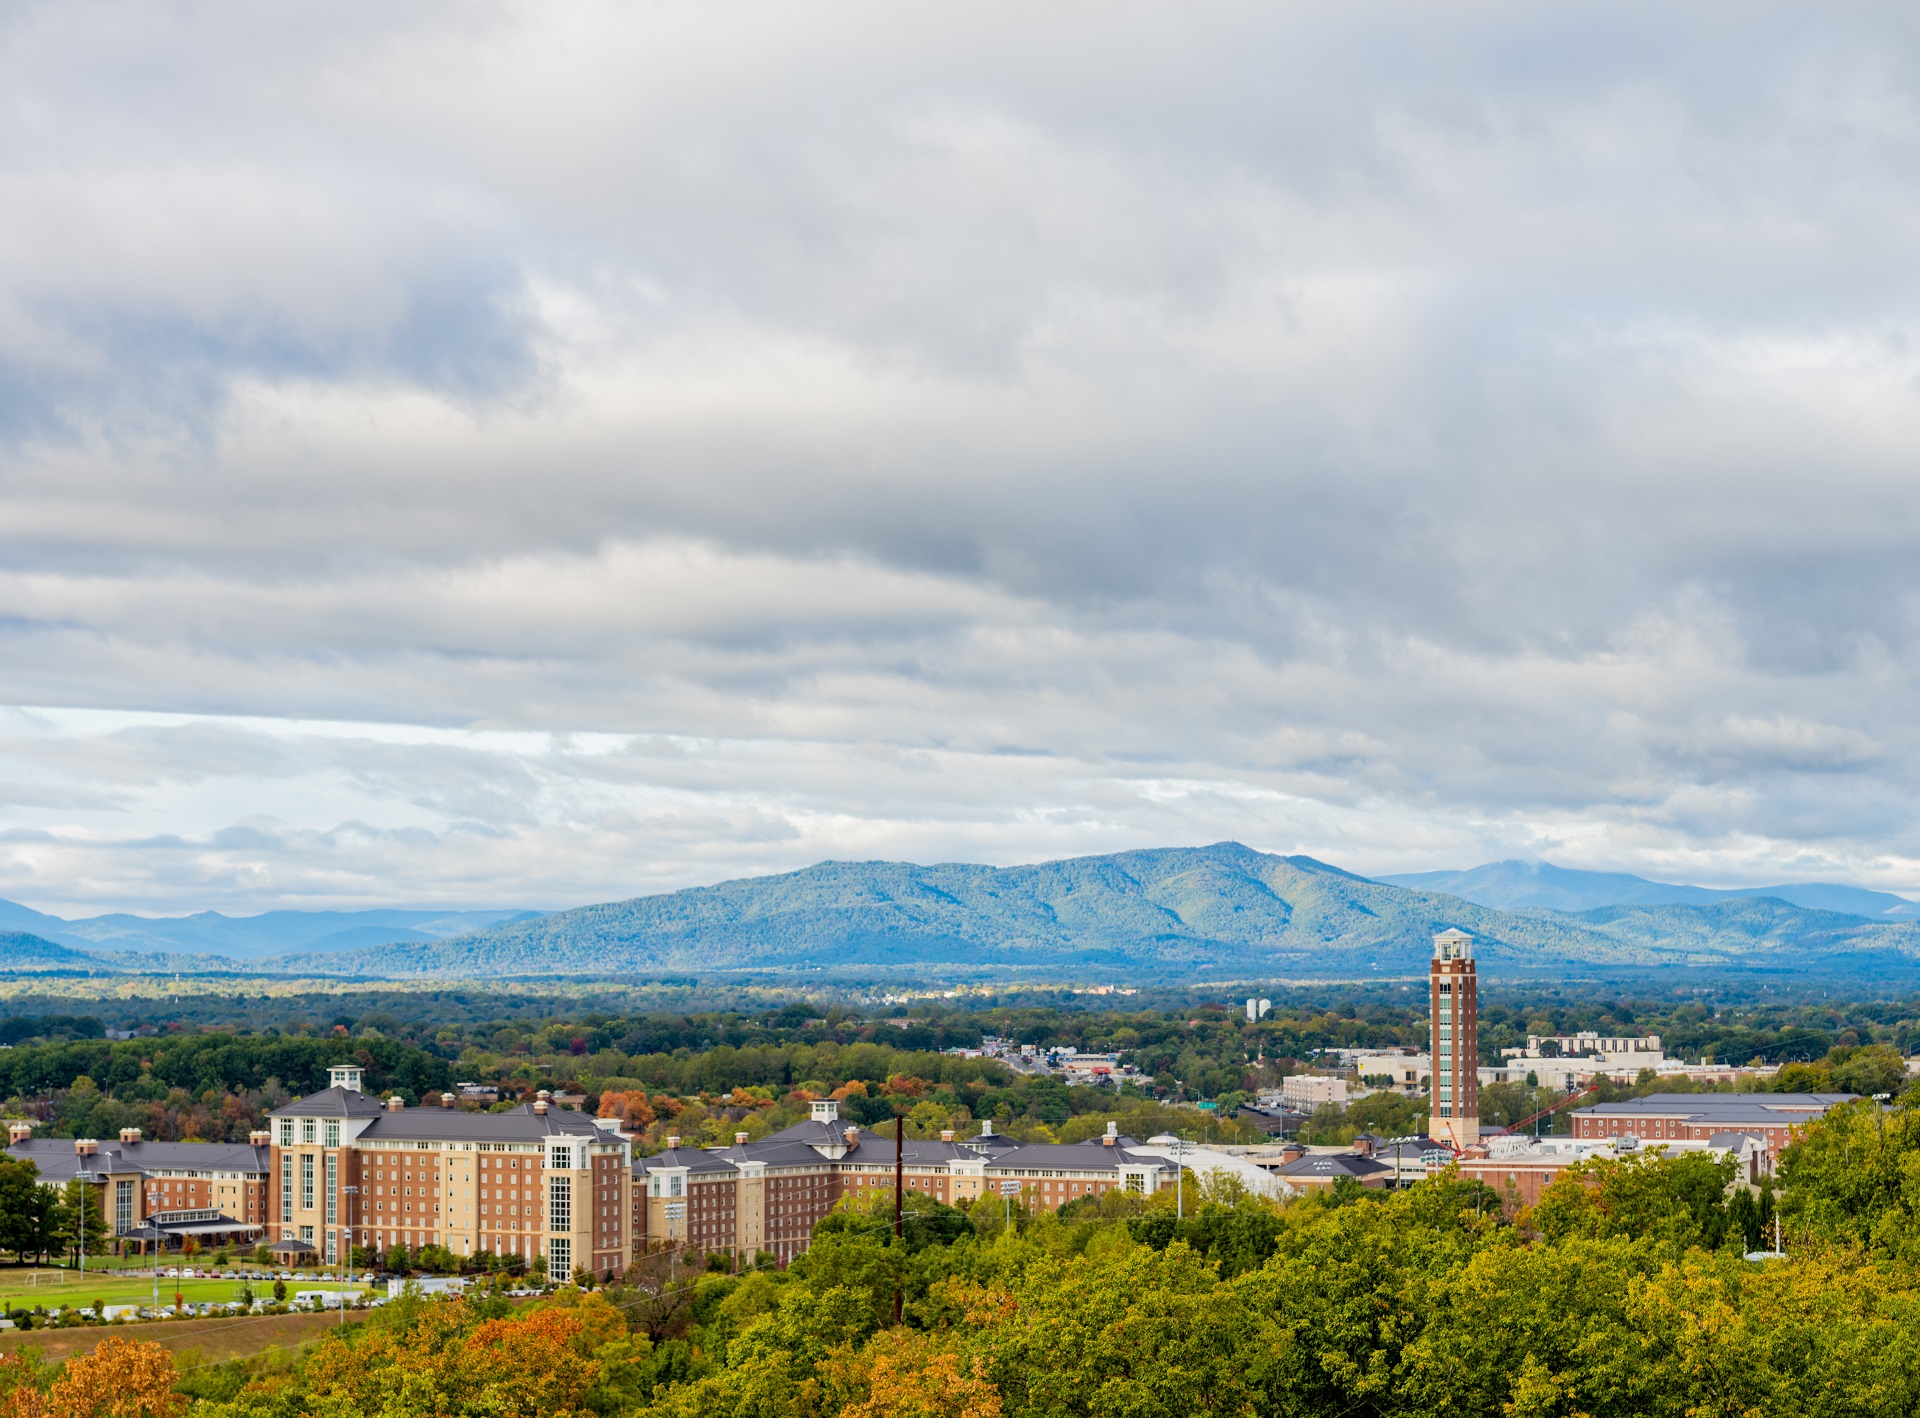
column 241, row 938
column 1224, row 911
column 1158, row 916
column 1516, row 886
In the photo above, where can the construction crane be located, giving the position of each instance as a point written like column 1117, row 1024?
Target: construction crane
column 1521, row 1126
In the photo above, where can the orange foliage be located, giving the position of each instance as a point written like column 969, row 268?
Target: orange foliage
column 856, row 1088
column 530, row 1366
column 631, row 1107
column 122, row 1378
column 905, row 1380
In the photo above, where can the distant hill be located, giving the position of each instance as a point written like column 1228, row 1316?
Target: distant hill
column 259, row 937
column 1218, row 912
column 1515, row 886
column 22, row 953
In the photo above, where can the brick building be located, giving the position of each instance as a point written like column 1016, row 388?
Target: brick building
column 769, row 1195
column 1698, row 1117
column 213, row 1192
column 535, row 1181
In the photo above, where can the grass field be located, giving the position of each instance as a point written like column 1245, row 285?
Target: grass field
column 19, row 1289
column 194, row 1342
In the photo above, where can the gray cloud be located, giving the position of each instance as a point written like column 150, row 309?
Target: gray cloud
column 1400, row 436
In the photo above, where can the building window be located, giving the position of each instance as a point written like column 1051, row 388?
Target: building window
column 560, row 1205
column 306, row 1234
column 333, row 1132
column 286, row 1132
column 306, row 1129
column 333, row 1191
column 330, row 1252
column 560, row 1259
column 122, row 1208
column 306, row 1183
column 286, row 1186
column 561, row 1159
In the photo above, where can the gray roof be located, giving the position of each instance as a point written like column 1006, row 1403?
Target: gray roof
column 694, row 1159
column 1339, row 1164
column 1075, row 1156
column 1719, row 1102
column 522, row 1124
column 55, row 1159
column 331, row 1103
column 1754, row 1109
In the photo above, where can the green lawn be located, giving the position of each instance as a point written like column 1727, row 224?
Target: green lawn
column 20, row 1291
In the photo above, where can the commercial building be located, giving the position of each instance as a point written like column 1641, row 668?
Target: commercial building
column 1699, row 1117
column 158, row 1193
column 1454, row 1001
column 768, row 1195
column 537, row 1181
column 1303, row 1092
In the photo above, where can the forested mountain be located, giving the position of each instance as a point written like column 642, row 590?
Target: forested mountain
column 1519, row 886
column 1218, row 912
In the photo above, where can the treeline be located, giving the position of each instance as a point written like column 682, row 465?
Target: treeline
column 1624, row 1294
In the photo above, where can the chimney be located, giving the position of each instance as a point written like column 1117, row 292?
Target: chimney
column 396, row 1103
column 129, row 1136
column 18, row 1133
column 946, row 1134
column 86, row 1146
column 543, row 1096
column 673, row 1141
column 986, row 1127
column 852, row 1136
column 540, row 1105
column 446, row 1100
column 739, row 1139
column 1112, row 1136
column 260, row 1138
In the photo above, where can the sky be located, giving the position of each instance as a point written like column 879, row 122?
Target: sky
column 522, row 455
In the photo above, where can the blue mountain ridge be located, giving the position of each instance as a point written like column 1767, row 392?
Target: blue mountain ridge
column 1520, row 885
column 1219, row 912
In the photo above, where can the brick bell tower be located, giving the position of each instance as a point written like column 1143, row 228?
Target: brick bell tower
column 1454, row 997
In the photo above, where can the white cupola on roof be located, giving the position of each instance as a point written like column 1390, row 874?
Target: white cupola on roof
column 347, row 1076
column 825, row 1110
column 1453, row 945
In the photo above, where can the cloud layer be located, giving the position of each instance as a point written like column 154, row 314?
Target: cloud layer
column 519, row 454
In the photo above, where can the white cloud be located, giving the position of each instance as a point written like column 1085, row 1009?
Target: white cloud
column 527, row 454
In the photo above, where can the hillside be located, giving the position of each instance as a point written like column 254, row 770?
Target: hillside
column 22, row 953
column 1219, row 912
column 1520, row 886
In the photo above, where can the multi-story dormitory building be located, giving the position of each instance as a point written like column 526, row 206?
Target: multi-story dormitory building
column 535, row 1181
column 767, row 1195
column 165, row 1192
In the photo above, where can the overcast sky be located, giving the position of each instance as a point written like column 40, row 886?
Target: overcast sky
column 526, row 455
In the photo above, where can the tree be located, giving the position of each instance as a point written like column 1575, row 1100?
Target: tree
column 83, row 1229
column 17, row 1188
column 1680, row 1201
column 122, row 1378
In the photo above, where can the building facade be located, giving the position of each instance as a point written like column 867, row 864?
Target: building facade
column 1454, row 1001
column 767, row 1196
column 539, row 1181
column 162, row 1193
column 1703, row 1117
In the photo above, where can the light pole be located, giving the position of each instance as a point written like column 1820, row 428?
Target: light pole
column 346, row 1250
column 1181, row 1147
column 1879, row 1127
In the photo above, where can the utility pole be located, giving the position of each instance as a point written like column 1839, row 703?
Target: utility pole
column 899, row 1192
column 346, row 1251
column 1879, row 1127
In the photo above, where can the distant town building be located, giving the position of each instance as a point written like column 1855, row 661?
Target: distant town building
column 1454, row 996
column 1303, row 1092
column 1629, row 1052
